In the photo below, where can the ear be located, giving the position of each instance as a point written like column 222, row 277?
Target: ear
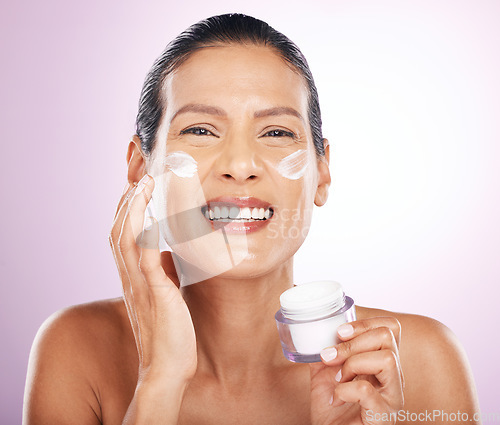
column 135, row 160
column 324, row 178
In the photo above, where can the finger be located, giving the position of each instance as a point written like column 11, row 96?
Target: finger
column 137, row 207
column 128, row 242
column 362, row 393
column 351, row 330
column 150, row 261
column 126, row 294
column 149, row 237
column 138, row 294
column 371, row 340
column 150, row 284
column 126, row 193
column 128, row 220
column 122, row 248
column 167, row 262
column 322, row 380
column 116, row 241
column 384, row 365
column 129, row 186
column 322, row 375
column 123, row 201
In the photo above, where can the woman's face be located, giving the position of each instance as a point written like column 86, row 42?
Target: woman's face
column 235, row 139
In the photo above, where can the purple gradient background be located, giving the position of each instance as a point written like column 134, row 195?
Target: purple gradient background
column 410, row 98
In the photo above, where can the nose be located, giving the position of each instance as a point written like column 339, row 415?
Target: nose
column 238, row 161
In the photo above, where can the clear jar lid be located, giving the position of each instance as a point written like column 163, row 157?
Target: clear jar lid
column 313, row 300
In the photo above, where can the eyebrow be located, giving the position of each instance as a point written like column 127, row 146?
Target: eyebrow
column 279, row 110
column 214, row 110
column 200, row 108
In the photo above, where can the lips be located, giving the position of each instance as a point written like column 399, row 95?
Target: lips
column 238, row 214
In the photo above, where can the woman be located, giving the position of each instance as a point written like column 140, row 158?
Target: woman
column 193, row 340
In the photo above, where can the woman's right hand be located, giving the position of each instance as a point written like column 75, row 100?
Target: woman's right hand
column 160, row 319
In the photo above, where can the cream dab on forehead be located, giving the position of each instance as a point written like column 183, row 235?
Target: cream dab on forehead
column 294, row 165
column 181, row 164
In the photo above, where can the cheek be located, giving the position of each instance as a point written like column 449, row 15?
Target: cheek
column 203, row 252
column 293, row 166
column 294, row 216
column 183, row 201
column 298, row 177
column 177, row 196
column 181, row 164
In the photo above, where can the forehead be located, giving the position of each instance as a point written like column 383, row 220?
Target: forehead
column 236, row 78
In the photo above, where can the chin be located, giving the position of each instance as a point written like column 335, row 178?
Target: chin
column 259, row 264
column 252, row 266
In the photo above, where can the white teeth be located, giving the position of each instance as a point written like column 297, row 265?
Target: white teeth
column 245, row 213
column 233, row 212
column 229, row 213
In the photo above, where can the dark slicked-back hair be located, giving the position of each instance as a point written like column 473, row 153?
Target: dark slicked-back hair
column 234, row 28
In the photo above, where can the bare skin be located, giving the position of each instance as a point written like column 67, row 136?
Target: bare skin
column 90, row 372
column 164, row 355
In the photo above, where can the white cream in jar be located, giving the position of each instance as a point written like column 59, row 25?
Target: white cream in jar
column 308, row 319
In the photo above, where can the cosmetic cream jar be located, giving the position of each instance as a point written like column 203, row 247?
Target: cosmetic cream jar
column 308, row 319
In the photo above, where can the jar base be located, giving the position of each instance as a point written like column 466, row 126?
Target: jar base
column 302, row 358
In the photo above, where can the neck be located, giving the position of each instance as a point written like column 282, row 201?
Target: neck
column 234, row 322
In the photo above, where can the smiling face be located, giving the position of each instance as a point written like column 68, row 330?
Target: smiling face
column 241, row 169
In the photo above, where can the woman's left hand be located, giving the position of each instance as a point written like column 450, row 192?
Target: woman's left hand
column 360, row 380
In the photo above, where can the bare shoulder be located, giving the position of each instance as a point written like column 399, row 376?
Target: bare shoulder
column 416, row 330
column 84, row 330
column 435, row 365
column 421, row 336
column 104, row 316
column 68, row 361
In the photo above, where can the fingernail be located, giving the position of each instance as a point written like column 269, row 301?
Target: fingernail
column 142, row 183
column 338, row 376
column 328, row 354
column 345, row 330
column 331, row 400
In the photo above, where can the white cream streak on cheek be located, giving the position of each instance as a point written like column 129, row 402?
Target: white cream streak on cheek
column 181, row 163
column 294, row 165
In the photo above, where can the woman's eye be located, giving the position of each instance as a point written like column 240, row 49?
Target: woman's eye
column 198, row 131
column 279, row 133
